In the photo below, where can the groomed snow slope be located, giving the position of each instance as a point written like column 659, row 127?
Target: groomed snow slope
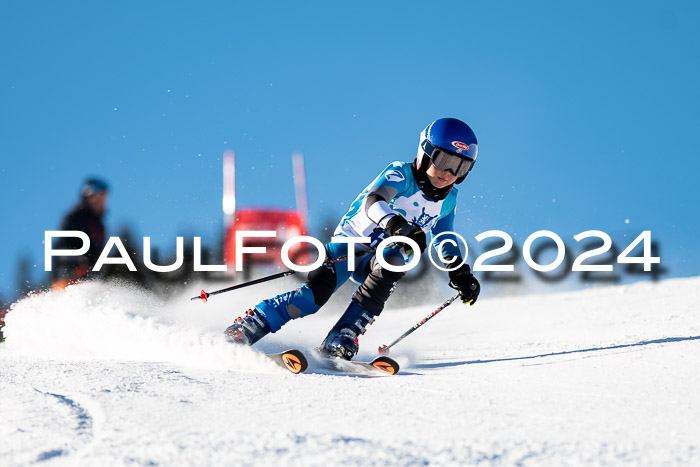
column 105, row 375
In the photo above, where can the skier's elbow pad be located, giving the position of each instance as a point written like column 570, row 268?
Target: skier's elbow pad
column 378, row 210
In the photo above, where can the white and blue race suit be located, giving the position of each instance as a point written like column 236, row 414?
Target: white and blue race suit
column 394, row 191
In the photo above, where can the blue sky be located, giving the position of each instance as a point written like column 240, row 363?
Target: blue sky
column 586, row 114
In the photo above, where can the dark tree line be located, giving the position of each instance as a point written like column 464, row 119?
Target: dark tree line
column 161, row 283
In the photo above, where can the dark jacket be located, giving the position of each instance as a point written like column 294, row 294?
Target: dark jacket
column 83, row 219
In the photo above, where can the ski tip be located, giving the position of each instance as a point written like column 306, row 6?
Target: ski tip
column 386, row 364
column 294, row 361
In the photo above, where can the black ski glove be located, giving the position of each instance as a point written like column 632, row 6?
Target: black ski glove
column 465, row 283
column 397, row 225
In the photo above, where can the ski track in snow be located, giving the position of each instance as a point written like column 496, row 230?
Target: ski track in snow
column 104, row 374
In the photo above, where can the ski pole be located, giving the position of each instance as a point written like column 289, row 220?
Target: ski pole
column 205, row 295
column 384, row 349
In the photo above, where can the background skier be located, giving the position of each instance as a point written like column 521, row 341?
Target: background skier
column 86, row 216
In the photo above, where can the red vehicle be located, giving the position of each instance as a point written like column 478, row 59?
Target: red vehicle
column 288, row 223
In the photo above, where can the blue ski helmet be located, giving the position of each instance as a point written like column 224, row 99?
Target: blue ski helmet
column 449, row 144
column 93, row 186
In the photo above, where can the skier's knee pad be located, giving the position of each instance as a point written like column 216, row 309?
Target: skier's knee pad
column 386, row 275
column 322, row 282
column 393, row 256
column 379, row 285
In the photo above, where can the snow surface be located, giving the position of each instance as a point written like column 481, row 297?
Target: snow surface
column 104, row 374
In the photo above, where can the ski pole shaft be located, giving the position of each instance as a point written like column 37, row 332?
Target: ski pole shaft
column 205, row 295
column 384, row 349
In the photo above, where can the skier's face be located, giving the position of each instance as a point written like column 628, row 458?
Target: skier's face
column 440, row 178
column 98, row 202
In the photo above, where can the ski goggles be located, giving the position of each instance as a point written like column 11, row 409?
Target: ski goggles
column 458, row 165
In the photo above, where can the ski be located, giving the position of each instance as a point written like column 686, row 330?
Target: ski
column 381, row 364
column 292, row 360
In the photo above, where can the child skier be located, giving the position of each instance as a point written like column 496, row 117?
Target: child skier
column 406, row 199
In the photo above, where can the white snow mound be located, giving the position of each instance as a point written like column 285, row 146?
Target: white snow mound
column 107, row 375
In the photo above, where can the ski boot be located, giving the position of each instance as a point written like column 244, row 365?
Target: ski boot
column 342, row 339
column 249, row 329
